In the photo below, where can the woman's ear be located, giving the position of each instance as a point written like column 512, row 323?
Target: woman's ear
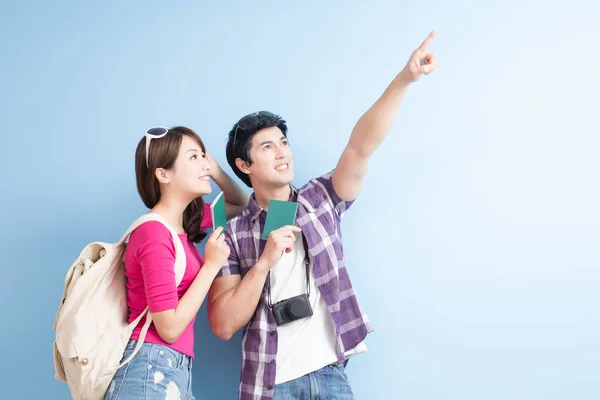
column 162, row 175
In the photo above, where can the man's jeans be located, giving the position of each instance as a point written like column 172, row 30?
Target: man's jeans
column 329, row 383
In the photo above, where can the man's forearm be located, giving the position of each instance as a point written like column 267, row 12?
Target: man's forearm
column 367, row 135
column 232, row 310
column 374, row 125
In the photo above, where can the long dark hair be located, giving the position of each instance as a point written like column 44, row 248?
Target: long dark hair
column 162, row 154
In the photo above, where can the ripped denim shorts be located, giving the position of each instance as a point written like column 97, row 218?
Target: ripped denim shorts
column 156, row 372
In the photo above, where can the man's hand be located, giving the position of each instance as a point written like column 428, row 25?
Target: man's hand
column 420, row 63
column 279, row 240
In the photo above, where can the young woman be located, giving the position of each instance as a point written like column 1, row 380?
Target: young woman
column 173, row 172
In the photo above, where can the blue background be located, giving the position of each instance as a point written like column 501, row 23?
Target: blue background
column 474, row 245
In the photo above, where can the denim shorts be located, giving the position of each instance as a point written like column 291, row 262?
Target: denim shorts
column 156, row 372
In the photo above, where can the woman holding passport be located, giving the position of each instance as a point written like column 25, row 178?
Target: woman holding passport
column 173, row 172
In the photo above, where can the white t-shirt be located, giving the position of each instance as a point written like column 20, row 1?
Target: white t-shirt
column 308, row 344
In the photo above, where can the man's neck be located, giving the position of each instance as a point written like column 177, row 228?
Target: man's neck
column 264, row 196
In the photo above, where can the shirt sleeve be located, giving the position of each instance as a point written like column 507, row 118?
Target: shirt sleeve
column 155, row 253
column 324, row 184
column 207, row 220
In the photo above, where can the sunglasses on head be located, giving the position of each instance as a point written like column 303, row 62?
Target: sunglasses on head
column 251, row 120
column 155, row 132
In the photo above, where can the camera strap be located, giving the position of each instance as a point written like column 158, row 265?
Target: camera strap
column 307, row 266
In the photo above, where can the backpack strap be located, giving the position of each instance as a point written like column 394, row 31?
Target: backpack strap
column 180, row 261
column 180, row 265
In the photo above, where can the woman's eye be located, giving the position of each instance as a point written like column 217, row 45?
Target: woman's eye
column 193, row 157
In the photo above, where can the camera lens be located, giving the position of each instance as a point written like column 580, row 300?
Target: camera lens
column 298, row 308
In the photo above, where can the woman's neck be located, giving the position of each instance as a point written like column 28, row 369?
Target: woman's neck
column 171, row 209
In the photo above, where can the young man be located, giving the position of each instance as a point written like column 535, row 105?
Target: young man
column 291, row 292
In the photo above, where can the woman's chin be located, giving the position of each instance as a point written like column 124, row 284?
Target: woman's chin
column 204, row 191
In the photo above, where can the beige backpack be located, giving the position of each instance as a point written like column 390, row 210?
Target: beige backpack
column 91, row 325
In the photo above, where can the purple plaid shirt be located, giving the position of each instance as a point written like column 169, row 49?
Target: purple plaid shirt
column 320, row 211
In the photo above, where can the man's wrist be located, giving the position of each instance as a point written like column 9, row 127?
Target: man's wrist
column 402, row 81
column 261, row 266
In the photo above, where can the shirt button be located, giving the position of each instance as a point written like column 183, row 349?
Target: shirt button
column 269, row 387
column 273, row 361
column 272, row 333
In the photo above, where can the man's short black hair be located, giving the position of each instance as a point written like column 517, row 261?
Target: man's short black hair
column 240, row 138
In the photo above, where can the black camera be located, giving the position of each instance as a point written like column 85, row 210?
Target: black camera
column 292, row 309
column 296, row 307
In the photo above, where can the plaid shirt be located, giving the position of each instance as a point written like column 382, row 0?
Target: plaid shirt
column 320, row 211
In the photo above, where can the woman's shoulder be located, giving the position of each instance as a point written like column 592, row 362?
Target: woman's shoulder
column 150, row 232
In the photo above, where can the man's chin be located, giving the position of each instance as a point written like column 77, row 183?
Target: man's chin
column 274, row 183
column 282, row 182
column 288, row 180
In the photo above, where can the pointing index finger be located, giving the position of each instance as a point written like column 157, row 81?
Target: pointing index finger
column 427, row 40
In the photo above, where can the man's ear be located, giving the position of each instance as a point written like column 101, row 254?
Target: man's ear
column 242, row 166
column 162, row 175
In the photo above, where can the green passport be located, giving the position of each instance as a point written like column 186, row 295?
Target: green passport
column 217, row 211
column 280, row 213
